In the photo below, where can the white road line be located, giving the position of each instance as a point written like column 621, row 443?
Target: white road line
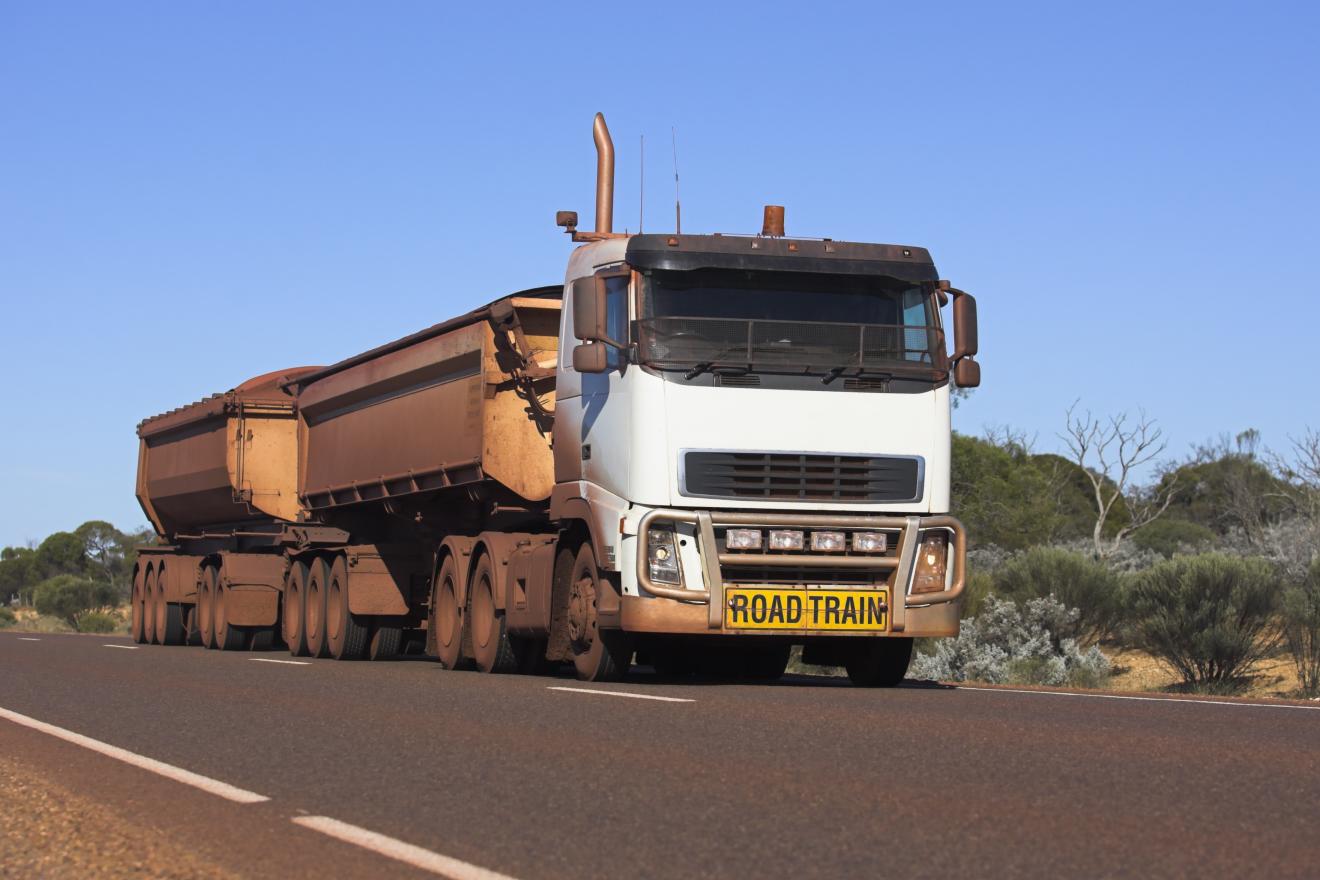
column 169, row 771
column 26, row 639
column 287, row 662
column 122, row 647
column 398, row 850
column 622, row 694
column 1197, row 702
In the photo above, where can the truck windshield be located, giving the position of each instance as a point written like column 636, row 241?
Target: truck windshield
column 787, row 321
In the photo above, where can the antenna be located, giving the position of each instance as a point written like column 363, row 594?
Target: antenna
column 641, row 184
column 678, row 206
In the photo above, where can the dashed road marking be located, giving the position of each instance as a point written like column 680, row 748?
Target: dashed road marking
column 287, row 662
column 1144, row 699
column 122, row 647
column 391, row 848
column 169, row 771
column 26, row 639
column 627, row 694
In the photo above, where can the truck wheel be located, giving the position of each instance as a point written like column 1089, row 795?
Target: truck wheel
column 598, row 655
column 386, row 642
column 295, row 591
column 314, row 608
column 149, row 607
column 490, row 639
column 447, row 616
column 172, row 632
column 205, row 612
column 138, row 608
column 529, row 655
column 345, row 633
column 159, row 607
column 227, row 637
column 877, row 662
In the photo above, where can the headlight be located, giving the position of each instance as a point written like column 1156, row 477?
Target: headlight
column 743, row 539
column 932, row 562
column 785, row 539
column 662, row 557
column 870, row 542
column 828, row 542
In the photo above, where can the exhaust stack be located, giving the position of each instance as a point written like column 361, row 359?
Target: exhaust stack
column 773, row 224
column 604, row 177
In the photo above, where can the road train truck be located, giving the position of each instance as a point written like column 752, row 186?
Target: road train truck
column 696, row 452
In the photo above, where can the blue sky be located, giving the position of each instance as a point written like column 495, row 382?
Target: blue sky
column 194, row 193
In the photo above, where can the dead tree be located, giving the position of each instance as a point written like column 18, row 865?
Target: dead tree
column 1109, row 451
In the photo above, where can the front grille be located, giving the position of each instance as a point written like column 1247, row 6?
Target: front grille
column 786, row 476
column 802, row 575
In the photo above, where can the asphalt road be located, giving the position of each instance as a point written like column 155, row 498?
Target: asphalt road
column 457, row 773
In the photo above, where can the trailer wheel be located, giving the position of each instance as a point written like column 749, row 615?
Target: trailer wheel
column 205, row 612
column 172, row 631
column 295, row 593
column 314, row 608
column 447, row 616
column 346, row 634
column 598, row 655
column 877, row 662
column 386, row 642
column 138, row 628
column 149, row 607
column 227, row 637
column 490, row 638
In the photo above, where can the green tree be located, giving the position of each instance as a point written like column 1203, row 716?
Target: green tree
column 62, row 553
column 69, row 596
column 18, row 572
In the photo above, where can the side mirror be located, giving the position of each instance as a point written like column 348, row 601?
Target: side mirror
column 966, row 373
column 589, row 309
column 591, row 357
column 964, row 325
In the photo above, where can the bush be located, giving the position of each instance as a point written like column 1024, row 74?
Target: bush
column 1169, row 536
column 1206, row 616
column 1008, row 644
column 70, row 596
column 7, row 617
column 1076, row 581
column 97, row 622
column 1301, row 628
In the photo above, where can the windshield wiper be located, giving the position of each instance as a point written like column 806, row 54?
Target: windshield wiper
column 696, row 371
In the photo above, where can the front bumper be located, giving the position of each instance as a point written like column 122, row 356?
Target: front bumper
column 680, row 610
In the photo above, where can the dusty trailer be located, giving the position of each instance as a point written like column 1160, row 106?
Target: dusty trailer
column 696, row 451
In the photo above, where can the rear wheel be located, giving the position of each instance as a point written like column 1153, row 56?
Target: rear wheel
column 877, row 662
column 227, row 636
column 386, row 642
column 490, row 639
column 205, row 611
column 149, row 607
column 159, row 607
column 447, row 616
column 138, row 625
column 346, row 634
column 295, row 592
column 173, row 632
column 314, row 608
column 598, row 655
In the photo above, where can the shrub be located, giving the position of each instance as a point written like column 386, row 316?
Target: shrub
column 1168, row 536
column 70, row 596
column 1078, row 582
column 7, row 617
column 1206, row 616
column 1301, row 628
column 1005, row 643
column 97, row 622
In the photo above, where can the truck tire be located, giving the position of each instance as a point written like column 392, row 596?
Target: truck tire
column 877, row 662
column 172, row 631
column 346, row 634
column 598, row 655
column 386, row 642
column 314, row 608
column 138, row 627
column 291, row 611
column 447, row 616
column 205, row 611
column 149, row 607
column 159, row 607
column 491, row 650
column 227, row 637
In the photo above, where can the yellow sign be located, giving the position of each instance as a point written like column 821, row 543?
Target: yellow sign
column 805, row 608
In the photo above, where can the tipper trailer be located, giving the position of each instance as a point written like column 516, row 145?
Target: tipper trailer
column 698, row 451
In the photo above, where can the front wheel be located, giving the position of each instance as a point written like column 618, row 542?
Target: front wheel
column 879, row 662
column 598, row 654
